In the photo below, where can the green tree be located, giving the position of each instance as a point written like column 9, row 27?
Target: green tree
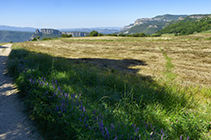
column 34, row 39
column 65, row 35
column 93, row 33
column 136, row 35
column 38, row 37
column 100, row 34
column 121, row 34
column 142, row 35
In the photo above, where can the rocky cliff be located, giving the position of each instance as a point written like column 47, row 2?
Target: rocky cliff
column 162, row 19
column 54, row 33
column 45, row 33
column 50, row 31
column 76, row 34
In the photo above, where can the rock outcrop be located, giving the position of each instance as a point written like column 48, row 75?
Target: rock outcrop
column 54, row 33
column 50, row 31
column 152, row 21
column 76, row 34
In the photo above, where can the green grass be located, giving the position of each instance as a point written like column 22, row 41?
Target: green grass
column 71, row 100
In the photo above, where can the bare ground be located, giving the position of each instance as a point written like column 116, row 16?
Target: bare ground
column 14, row 122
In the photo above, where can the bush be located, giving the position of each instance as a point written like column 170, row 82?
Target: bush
column 142, row 35
column 100, row 34
column 93, row 33
column 66, row 36
column 34, row 39
column 46, row 38
column 121, row 34
column 136, row 35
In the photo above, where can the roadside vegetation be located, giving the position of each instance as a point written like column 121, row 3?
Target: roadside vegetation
column 116, row 87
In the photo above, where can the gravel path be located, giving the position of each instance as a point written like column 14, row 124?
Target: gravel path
column 14, row 122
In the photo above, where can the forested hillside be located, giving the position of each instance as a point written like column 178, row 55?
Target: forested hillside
column 14, row 36
column 188, row 26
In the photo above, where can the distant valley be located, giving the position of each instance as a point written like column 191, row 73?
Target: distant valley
column 177, row 24
column 21, row 34
column 14, row 36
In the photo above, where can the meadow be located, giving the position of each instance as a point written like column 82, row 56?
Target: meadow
column 117, row 87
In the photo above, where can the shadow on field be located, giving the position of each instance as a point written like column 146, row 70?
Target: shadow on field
column 95, row 84
column 123, row 65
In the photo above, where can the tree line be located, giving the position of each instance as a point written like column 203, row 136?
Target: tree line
column 95, row 33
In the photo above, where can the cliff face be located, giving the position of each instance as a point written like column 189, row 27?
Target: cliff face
column 50, row 31
column 76, row 34
column 45, row 33
column 54, row 33
column 153, row 21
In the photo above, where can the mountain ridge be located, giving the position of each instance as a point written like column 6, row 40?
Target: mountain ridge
column 156, row 23
column 105, row 30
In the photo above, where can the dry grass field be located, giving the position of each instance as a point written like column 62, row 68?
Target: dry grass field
column 162, row 81
column 191, row 55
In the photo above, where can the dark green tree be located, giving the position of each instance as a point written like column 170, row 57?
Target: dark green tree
column 142, row 35
column 38, row 37
column 100, row 34
column 65, row 35
column 121, row 34
column 136, row 35
column 34, row 39
column 93, row 33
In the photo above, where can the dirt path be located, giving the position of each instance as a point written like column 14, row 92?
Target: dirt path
column 14, row 123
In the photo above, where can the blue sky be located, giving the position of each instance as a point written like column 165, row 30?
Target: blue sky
column 62, row 14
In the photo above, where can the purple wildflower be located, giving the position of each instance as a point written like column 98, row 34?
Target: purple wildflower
column 107, row 132
column 57, row 108
column 84, row 109
column 136, row 131
column 181, row 137
column 188, row 138
column 162, row 136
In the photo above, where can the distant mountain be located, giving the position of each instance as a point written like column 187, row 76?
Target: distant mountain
column 188, row 25
column 22, row 29
column 104, row 30
column 150, row 25
column 49, row 33
column 14, row 36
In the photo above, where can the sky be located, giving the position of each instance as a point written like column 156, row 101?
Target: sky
column 63, row 14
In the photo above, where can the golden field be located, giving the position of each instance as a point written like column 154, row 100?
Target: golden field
column 191, row 55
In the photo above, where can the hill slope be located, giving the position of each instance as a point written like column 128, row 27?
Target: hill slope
column 14, row 36
column 150, row 25
column 189, row 25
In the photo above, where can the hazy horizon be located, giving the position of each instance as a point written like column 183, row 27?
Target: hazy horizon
column 69, row 14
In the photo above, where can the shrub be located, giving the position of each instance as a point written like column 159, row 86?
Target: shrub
column 142, row 35
column 66, row 36
column 93, row 33
column 46, row 38
column 100, row 34
column 136, row 35
column 121, row 34
column 34, row 39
